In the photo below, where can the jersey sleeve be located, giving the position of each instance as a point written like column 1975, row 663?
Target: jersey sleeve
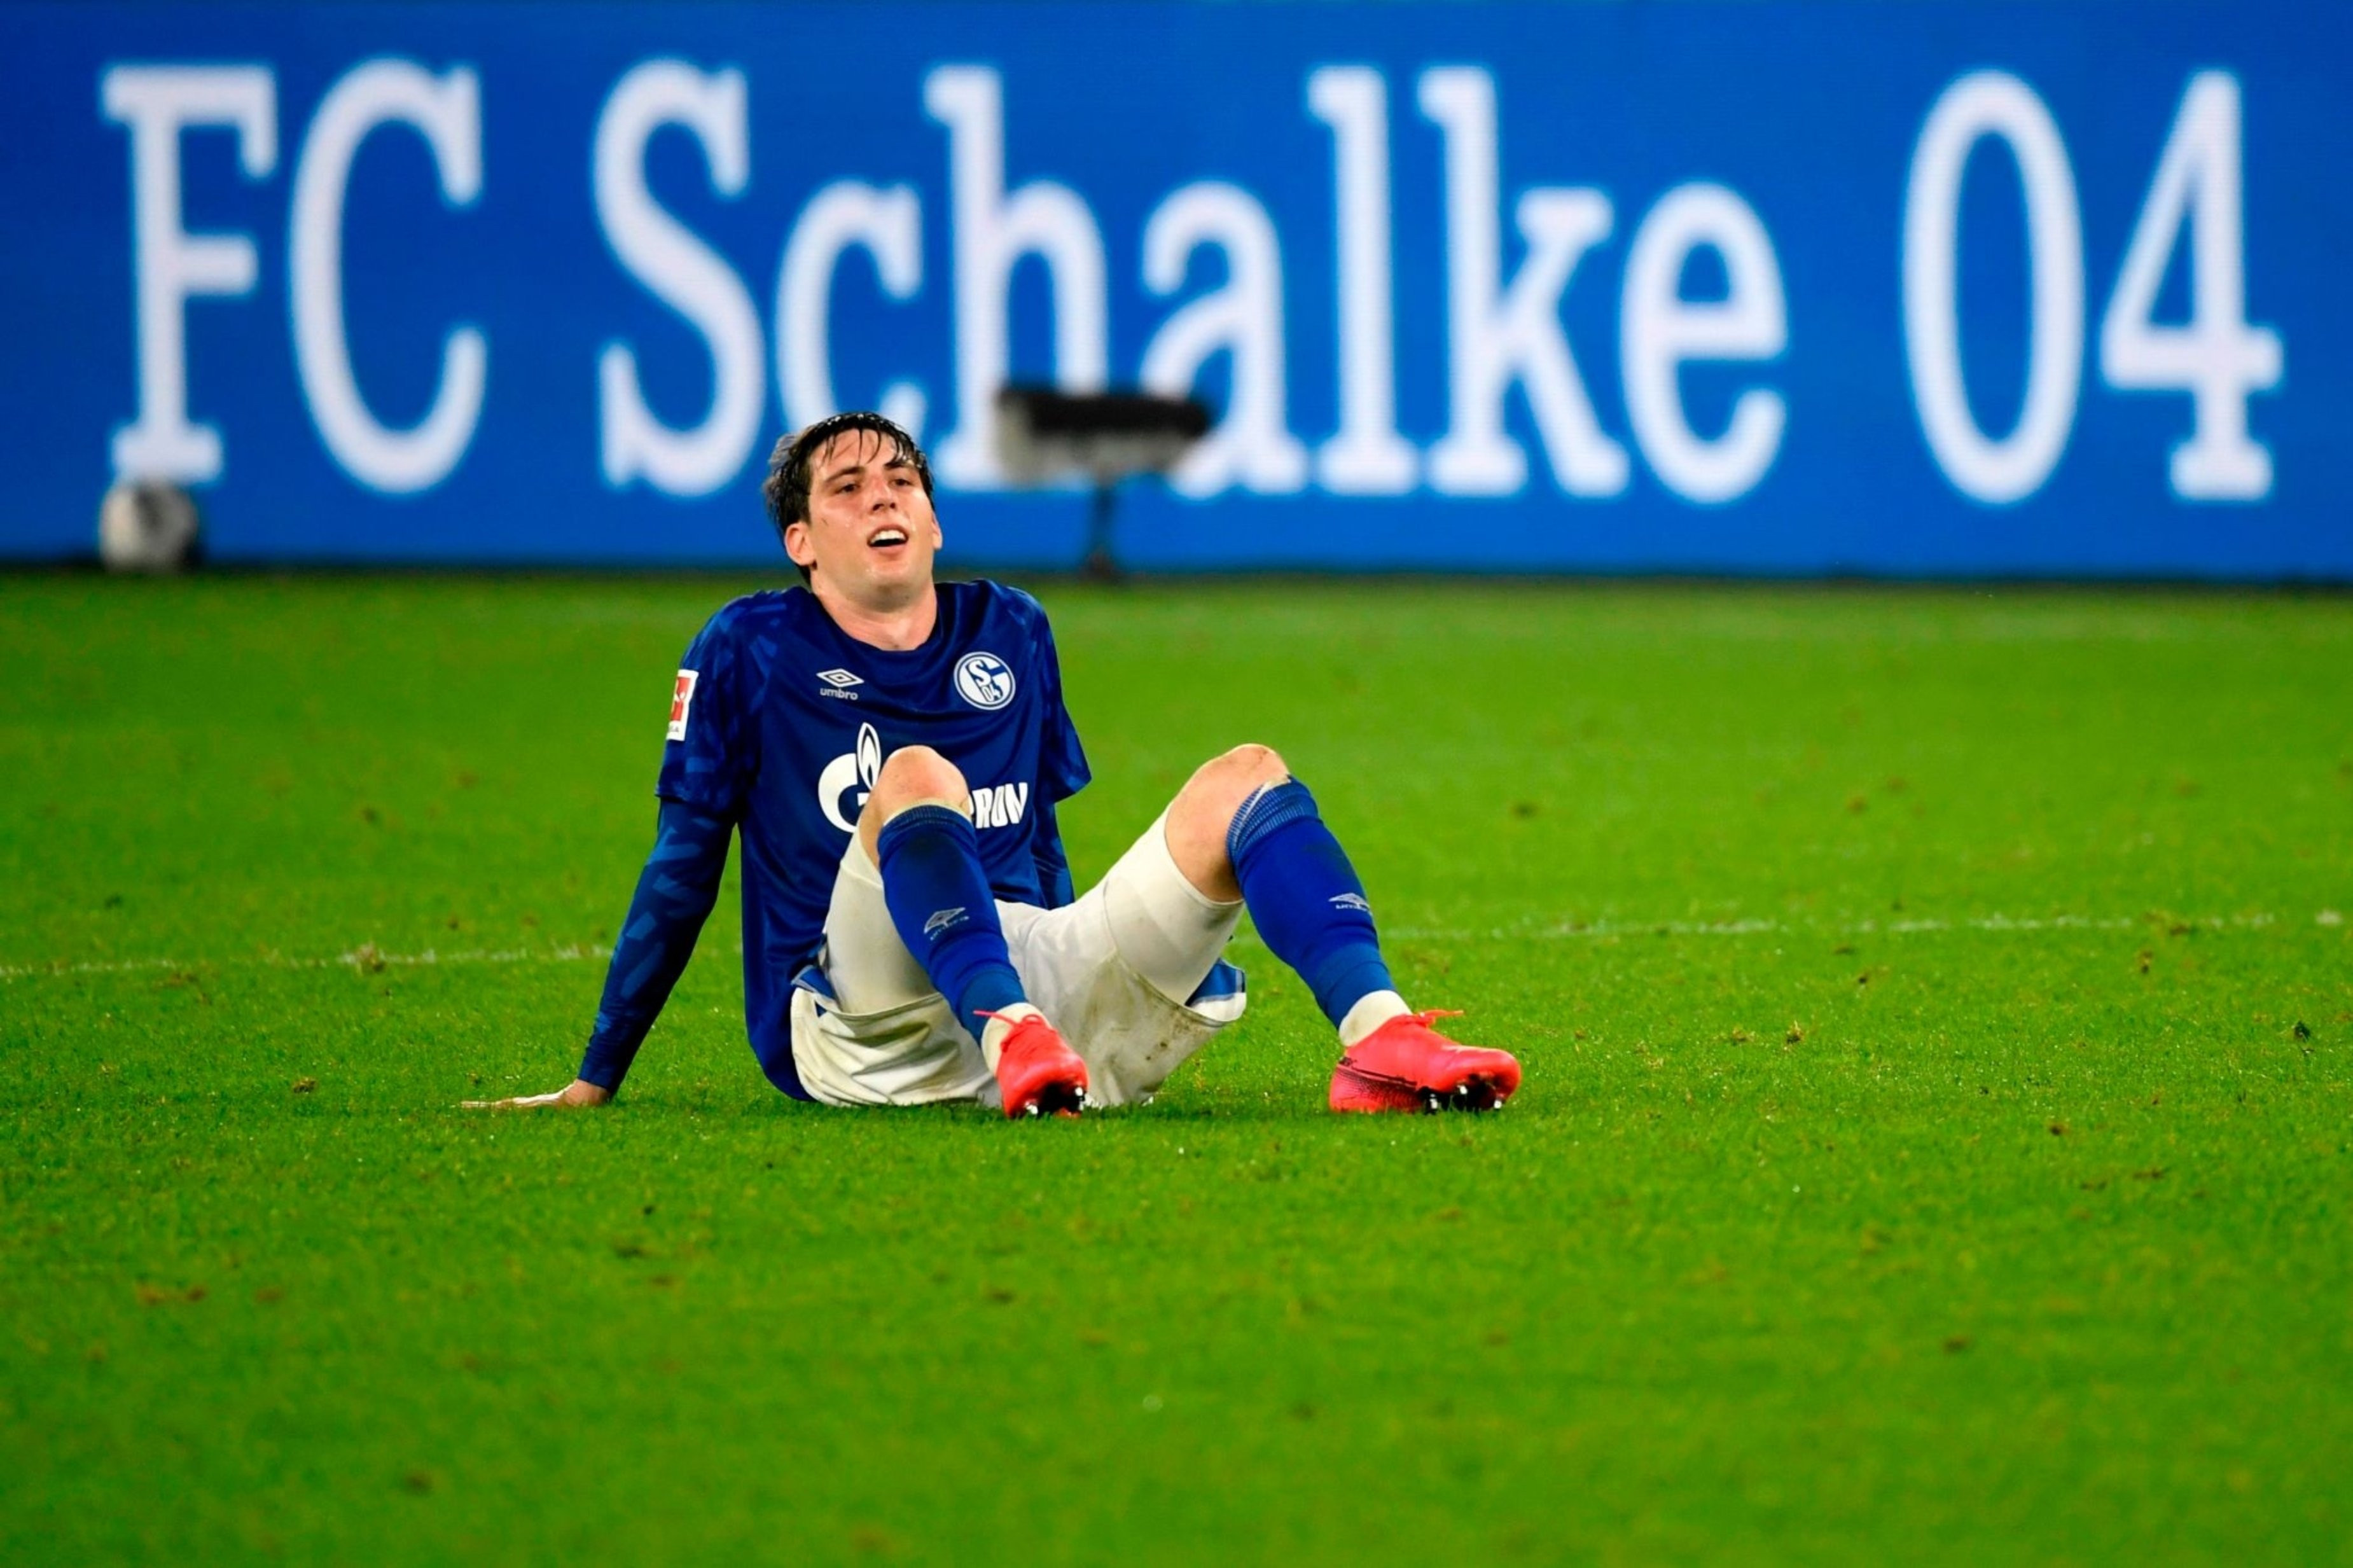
column 675, row 892
column 711, row 753
column 1062, row 768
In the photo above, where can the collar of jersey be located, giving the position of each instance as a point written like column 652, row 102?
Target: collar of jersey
column 893, row 667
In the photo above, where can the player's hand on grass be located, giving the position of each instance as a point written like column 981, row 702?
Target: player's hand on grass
column 579, row 1091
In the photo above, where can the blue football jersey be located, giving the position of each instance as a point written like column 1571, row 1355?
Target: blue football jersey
column 780, row 721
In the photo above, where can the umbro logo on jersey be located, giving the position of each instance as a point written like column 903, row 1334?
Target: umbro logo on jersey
column 943, row 920
column 837, row 683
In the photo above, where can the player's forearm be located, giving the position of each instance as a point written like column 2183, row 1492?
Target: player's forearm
column 674, row 895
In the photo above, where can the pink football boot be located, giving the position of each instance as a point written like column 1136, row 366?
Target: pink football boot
column 1406, row 1065
column 1038, row 1074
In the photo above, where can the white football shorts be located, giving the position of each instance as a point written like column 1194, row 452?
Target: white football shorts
column 1130, row 973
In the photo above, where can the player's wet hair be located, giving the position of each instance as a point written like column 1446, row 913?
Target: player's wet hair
column 790, row 466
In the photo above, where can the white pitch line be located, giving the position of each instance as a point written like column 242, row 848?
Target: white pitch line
column 366, row 956
column 1605, row 930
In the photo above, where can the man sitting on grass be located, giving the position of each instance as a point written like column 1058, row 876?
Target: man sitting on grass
column 891, row 750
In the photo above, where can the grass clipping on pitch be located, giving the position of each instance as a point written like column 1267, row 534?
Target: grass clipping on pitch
column 1937, row 1011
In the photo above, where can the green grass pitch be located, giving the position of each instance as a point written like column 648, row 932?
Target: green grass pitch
column 1937, row 1010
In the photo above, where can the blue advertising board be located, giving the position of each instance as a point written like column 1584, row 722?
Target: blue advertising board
column 1798, row 286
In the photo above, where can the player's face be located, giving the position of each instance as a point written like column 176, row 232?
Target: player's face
column 870, row 534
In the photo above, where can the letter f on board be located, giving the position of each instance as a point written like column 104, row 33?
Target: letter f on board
column 174, row 266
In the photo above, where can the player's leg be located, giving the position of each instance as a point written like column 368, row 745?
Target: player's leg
column 1242, row 828
column 917, row 826
column 1135, row 964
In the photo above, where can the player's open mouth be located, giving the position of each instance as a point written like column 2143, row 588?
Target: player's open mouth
column 885, row 538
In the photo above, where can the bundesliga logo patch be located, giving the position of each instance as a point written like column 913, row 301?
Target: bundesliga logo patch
column 681, row 697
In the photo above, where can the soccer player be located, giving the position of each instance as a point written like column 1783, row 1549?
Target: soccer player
column 890, row 751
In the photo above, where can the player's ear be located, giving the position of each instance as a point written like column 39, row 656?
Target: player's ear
column 797, row 544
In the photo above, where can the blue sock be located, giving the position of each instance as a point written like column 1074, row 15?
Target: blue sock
column 939, row 901
column 1304, row 898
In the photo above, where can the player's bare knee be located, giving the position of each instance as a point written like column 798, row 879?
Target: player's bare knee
column 1255, row 763
column 1204, row 811
column 917, row 773
column 1219, row 787
column 911, row 775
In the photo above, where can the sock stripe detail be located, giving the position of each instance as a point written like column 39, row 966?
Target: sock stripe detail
column 916, row 818
column 1263, row 810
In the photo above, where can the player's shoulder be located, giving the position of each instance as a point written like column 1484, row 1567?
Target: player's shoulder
column 754, row 618
column 982, row 604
